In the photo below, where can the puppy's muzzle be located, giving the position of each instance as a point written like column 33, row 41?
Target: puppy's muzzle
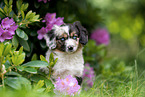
column 70, row 48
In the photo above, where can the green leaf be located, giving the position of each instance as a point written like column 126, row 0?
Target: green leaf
column 36, row 64
column 36, row 78
column 13, row 73
column 13, row 82
column 21, row 50
column 25, row 37
column 20, row 33
column 34, row 57
column 1, row 49
column 10, row 2
column 9, row 9
column 48, row 89
column 51, row 57
column 55, row 60
column 23, row 14
column 20, row 68
column 34, row 18
column 49, row 83
column 18, row 4
column 7, row 49
column 18, row 59
column 14, row 59
column 6, row 2
column 25, row 83
column 30, row 70
column 6, row 9
column 15, row 41
column 43, row 58
column 51, row 63
column 24, row 43
column 18, row 83
column 1, row 10
column 26, row 6
column 39, row 85
column 28, row 14
column 22, row 7
column 7, row 64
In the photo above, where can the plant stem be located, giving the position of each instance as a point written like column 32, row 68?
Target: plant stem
column 3, row 83
column 1, row 72
column 1, row 75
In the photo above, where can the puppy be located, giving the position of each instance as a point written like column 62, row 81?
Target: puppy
column 66, row 43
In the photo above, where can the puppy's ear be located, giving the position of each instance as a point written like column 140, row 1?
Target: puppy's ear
column 50, row 39
column 83, row 33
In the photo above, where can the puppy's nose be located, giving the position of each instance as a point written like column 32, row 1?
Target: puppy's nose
column 70, row 48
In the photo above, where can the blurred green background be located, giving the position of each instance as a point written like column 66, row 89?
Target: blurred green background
column 125, row 20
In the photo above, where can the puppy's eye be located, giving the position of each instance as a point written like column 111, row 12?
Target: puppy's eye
column 62, row 39
column 74, row 37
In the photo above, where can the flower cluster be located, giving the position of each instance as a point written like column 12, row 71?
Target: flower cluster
column 51, row 20
column 101, row 36
column 88, row 76
column 67, row 86
column 7, row 29
column 45, row 1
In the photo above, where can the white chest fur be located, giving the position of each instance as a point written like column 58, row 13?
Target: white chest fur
column 67, row 64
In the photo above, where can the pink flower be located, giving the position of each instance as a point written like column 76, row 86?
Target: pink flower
column 5, row 35
column 6, row 23
column 7, row 29
column 59, row 21
column 12, row 29
column 101, row 36
column 45, row 1
column 88, row 76
column 67, row 86
column 41, row 33
column 51, row 20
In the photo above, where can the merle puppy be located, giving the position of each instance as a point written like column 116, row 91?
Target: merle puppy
column 66, row 43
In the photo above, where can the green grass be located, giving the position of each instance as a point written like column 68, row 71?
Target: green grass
column 100, row 89
column 130, row 89
column 131, row 86
column 114, row 88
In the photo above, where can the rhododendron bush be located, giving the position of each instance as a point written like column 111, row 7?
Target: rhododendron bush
column 23, row 25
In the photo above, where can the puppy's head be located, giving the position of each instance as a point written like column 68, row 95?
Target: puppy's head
column 67, row 38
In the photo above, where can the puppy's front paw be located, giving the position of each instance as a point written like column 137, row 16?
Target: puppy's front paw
column 44, row 69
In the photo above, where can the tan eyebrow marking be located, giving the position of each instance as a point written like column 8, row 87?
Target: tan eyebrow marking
column 63, row 35
column 73, row 34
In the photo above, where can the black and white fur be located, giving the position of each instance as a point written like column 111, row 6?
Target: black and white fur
column 66, row 43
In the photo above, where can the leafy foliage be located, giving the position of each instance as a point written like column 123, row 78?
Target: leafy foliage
column 17, row 75
column 21, row 19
